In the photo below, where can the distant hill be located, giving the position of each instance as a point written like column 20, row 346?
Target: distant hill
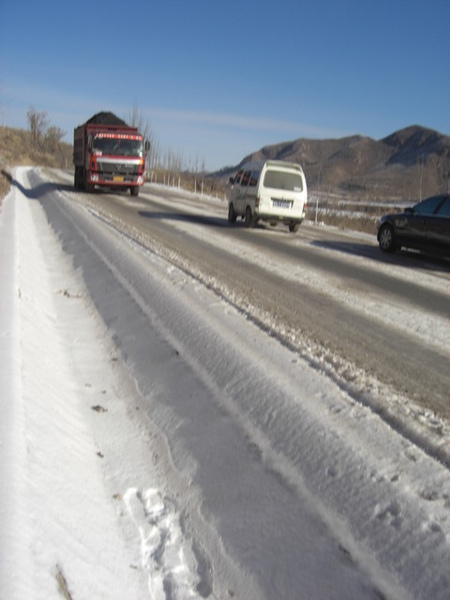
column 408, row 164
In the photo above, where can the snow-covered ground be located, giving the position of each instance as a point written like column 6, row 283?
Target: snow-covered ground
column 90, row 507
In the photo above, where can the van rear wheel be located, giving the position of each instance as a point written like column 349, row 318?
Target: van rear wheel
column 249, row 218
column 293, row 227
column 231, row 214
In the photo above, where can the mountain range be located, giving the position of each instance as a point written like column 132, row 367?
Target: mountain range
column 411, row 163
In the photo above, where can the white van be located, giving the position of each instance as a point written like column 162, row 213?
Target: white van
column 271, row 190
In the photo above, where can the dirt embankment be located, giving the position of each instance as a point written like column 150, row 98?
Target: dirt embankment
column 17, row 148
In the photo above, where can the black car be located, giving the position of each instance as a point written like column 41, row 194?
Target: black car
column 425, row 226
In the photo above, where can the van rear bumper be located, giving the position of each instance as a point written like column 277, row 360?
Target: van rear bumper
column 284, row 217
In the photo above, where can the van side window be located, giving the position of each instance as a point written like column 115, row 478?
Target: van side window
column 254, row 178
column 237, row 179
column 246, row 178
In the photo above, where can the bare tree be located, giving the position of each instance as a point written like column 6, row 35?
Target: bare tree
column 136, row 118
column 443, row 168
column 38, row 125
column 53, row 138
column 420, row 165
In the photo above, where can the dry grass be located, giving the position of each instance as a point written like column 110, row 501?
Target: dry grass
column 5, row 183
column 363, row 224
column 63, row 588
column 364, row 218
column 16, row 148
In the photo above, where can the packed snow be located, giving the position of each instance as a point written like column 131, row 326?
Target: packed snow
column 103, row 497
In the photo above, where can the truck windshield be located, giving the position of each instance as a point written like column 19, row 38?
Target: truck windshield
column 283, row 180
column 118, row 147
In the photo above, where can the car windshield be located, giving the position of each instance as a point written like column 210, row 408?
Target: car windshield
column 118, row 146
column 283, row 180
column 427, row 207
column 445, row 208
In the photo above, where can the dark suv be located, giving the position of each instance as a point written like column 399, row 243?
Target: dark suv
column 425, row 226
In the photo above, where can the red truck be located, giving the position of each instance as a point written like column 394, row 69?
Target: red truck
column 108, row 153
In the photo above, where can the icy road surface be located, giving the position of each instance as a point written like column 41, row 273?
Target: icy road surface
column 158, row 442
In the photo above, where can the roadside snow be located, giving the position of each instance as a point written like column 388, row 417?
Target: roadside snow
column 83, row 509
column 58, row 520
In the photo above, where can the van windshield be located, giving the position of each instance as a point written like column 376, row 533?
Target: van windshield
column 283, row 180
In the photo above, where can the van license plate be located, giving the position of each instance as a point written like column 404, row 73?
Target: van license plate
column 282, row 203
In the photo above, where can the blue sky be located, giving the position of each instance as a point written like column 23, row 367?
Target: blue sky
column 218, row 80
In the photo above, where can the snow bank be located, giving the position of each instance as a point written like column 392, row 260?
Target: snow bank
column 59, row 526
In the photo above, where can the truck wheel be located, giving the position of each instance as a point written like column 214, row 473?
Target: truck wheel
column 293, row 227
column 134, row 191
column 77, row 181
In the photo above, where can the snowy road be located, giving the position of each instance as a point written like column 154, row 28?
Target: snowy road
column 166, row 435
column 357, row 311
